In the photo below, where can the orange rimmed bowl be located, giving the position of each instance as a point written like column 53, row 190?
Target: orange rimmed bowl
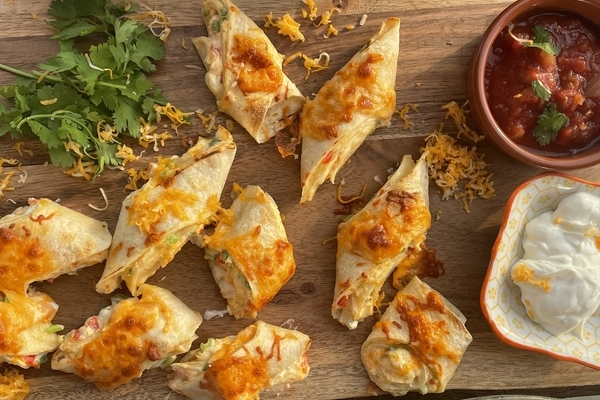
column 501, row 298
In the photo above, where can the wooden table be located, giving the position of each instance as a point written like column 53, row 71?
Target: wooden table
column 438, row 39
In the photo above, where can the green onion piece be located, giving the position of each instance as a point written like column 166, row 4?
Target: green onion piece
column 54, row 328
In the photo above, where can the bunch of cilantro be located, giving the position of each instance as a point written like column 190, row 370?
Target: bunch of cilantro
column 73, row 93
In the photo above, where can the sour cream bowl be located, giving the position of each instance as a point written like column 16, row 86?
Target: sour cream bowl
column 501, row 299
column 570, row 157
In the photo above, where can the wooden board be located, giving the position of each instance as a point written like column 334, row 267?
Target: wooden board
column 437, row 42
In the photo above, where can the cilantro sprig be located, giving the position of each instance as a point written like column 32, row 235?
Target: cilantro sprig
column 540, row 90
column 72, row 94
column 542, row 40
column 549, row 122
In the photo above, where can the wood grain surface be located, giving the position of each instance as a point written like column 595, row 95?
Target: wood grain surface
column 438, row 39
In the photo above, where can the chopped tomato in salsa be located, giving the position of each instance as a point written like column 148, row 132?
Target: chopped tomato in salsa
column 512, row 67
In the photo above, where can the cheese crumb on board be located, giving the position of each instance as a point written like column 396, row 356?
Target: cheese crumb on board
column 406, row 123
column 287, row 26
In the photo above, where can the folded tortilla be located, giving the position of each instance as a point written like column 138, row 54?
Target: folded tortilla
column 259, row 357
column 40, row 242
column 248, row 253
column 358, row 99
column 155, row 222
column 244, row 71
column 417, row 344
column 372, row 242
column 129, row 337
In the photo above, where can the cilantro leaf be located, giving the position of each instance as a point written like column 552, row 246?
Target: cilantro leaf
column 540, row 90
column 549, row 122
column 543, row 40
column 126, row 118
column 78, row 28
column 45, row 135
column 106, row 155
column 61, row 157
column 124, row 30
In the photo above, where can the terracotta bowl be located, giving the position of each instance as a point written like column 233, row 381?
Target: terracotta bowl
column 501, row 298
column 476, row 88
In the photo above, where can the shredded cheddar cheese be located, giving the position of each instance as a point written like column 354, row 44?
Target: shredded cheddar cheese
column 135, row 176
column 159, row 20
column 93, row 207
column 331, row 30
column 350, row 200
column 183, row 43
column 23, row 176
column 85, row 169
column 74, row 147
column 287, row 26
column 209, row 121
column 350, row 27
column 363, row 20
column 106, row 133
column 458, row 115
column 311, row 64
column 449, row 163
column 407, row 107
column 326, row 17
column 20, row 148
column 177, row 117
column 125, row 153
column 48, row 101
column 13, row 385
column 310, row 12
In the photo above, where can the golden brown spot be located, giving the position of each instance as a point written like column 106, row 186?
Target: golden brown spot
column 258, row 73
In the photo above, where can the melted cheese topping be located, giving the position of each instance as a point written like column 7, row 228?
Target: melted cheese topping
column 116, row 355
column 19, row 312
column 354, row 88
column 148, row 209
column 426, row 337
column 258, row 71
column 238, row 373
column 23, row 259
column 379, row 235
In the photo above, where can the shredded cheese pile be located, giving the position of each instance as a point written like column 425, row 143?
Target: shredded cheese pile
column 210, row 121
column 287, row 26
column 83, row 169
column 326, row 17
column 311, row 64
column 405, row 121
column 13, row 385
column 20, row 148
column 125, row 153
column 448, row 163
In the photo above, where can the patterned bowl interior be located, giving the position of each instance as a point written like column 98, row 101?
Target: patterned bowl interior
column 501, row 298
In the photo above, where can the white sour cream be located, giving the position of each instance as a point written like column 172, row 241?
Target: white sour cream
column 559, row 274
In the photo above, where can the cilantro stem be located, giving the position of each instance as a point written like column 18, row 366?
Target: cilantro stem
column 28, row 75
column 60, row 114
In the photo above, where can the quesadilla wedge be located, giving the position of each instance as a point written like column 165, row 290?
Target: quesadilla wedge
column 259, row 357
column 180, row 197
column 374, row 241
column 417, row 344
column 248, row 253
column 129, row 337
column 244, row 71
column 358, row 99
column 40, row 242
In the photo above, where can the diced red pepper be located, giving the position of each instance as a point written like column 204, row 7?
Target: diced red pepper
column 328, row 157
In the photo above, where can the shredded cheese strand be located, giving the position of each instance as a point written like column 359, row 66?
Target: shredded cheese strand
column 342, row 201
column 93, row 207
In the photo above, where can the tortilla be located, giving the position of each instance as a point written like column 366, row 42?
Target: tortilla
column 372, row 242
column 248, row 253
column 244, row 71
column 180, row 197
column 417, row 344
column 360, row 98
column 259, row 357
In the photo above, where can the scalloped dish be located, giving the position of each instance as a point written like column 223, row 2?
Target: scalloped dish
column 501, row 298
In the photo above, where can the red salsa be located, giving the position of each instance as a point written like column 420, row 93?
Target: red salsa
column 512, row 67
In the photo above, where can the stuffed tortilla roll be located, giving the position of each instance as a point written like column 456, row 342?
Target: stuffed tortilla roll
column 417, row 344
column 372, row 242
column 244, row 71
column 155, row 222
column 358, row 99
column 40, row 242
column 129, row 337
column 248, row 253
column 259, row 357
